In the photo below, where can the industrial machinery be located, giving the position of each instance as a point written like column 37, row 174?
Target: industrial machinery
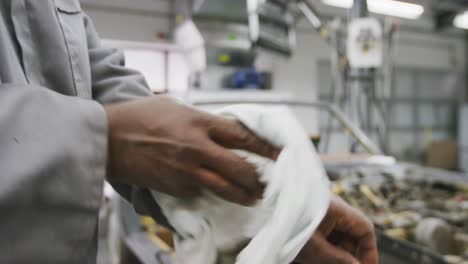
column 362, row 64
column 361, row 60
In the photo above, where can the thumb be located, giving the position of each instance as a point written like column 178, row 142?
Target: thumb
column 333, row 254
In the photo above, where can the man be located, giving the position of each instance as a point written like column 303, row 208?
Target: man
column 71, row 116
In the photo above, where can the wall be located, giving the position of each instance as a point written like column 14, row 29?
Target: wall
column 137, row 20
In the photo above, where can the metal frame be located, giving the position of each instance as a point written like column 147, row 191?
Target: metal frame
column 414, row 103
column 258, row 12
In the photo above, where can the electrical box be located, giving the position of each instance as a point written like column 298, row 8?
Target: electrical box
column 365, row 43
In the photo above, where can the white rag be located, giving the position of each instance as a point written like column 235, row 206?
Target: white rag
column 274, row 231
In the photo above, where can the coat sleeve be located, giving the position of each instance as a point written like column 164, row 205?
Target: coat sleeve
column 113, row 82
column 53, row 152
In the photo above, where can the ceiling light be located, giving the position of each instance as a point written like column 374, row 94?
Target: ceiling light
column 461, row 20
column 339, row 3
column 384, row 7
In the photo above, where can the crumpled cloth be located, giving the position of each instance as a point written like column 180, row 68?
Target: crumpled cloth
column 296, row 199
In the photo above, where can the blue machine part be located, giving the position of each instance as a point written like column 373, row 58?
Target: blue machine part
column 247, row 78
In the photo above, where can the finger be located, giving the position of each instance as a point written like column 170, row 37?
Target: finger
column 186, row 192
column 363, row 232
column 232, row 168
column 178, row 187
column 367, row 251
column 336, row 255
column 330, row 254
column 360, row 229
column 182, row 191
column 349, row 245
column 232, row 134
column 223, row 188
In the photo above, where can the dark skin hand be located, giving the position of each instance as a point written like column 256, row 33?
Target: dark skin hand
column 345, row 236
column 178, row 150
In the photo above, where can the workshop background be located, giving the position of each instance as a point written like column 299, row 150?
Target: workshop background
column 407, row 111
column 429, row 63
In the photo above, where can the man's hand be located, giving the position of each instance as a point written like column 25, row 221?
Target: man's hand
column 163, row 145
column 345, row 236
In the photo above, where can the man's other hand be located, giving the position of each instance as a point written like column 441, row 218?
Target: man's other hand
column 345, row 236
column 178, row 150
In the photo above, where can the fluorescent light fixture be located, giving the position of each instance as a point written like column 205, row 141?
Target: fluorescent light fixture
column 384, row 7
column 339, row 3
column 461, row 20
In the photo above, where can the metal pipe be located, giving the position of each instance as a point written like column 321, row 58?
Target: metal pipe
column 359, row 81
column 312, row 15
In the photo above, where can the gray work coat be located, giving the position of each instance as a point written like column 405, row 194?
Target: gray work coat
column 54, row 78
